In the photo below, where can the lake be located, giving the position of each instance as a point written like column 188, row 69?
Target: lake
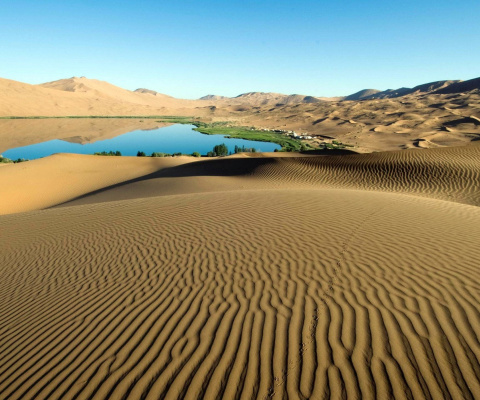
column 177, row 138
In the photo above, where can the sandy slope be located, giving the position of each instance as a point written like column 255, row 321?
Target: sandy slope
column 81, row 96
column 447, row 173
column 305, row 293
column 444, row 173
column 296, row 277
column 48, row 181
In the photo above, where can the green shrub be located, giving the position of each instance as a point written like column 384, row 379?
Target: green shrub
column 110, row 153
column 5, row 160
column 221, row 150
column 140, row 154
column 196, row 154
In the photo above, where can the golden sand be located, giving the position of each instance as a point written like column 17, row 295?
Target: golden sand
column 265, row 277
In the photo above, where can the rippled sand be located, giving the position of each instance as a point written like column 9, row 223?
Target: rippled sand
column 298, row 277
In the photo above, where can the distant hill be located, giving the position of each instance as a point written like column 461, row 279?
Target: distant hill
column 212, row 97
column 424, row 88
column 460, row 86
column 83, row 96
column 263, row 98
column 93, row 87
column 85, row 85
column 389, row 93
column 429, row 87
column 362, row 94
column 152, row 92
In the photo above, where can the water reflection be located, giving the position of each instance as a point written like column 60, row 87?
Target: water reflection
column 88, row 136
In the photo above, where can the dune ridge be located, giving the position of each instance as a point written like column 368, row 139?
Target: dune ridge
column 451, row 174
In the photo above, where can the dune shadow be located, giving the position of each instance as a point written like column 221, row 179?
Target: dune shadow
column 220, row 167
column 464, row 120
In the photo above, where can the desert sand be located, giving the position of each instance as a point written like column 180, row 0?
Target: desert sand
column 241, row 277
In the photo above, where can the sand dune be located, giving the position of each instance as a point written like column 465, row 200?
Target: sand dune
column 215, row 295
column 446, row 173
column 82, row 96
column 449, row 173
column 101, row 89
column 48, row 181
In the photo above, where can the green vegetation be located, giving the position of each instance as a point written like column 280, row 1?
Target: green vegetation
column 141, row 154
column 176, row 120
column 242, row 132
column 4, row 160
column 196, row 154
column 335, row 145
column 218, row 150
column 244, row 149
column 110, row 153
column 158, row 154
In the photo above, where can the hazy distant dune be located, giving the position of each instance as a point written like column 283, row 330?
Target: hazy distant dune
column 458, row 87
column 361, row 94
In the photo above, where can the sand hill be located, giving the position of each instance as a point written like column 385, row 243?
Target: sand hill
column 415, row 120
column 365, row 93
column 213, row 97
column 459, row 87
column 241, row 277
column 261, row 99
column 101, row 90
column 82, row 96
column 432, row 87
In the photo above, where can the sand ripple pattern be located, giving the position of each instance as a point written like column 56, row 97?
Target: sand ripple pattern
column 296, row 294
column 448, row 173
column 451, row 174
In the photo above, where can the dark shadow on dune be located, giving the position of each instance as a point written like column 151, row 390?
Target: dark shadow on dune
column 465, row 120
column 222, row 167
column 319, row 120
column 329, row 152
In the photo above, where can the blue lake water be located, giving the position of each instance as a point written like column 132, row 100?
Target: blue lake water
column 172, row 139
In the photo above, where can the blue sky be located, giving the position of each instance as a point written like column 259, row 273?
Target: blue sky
column 192, row 48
